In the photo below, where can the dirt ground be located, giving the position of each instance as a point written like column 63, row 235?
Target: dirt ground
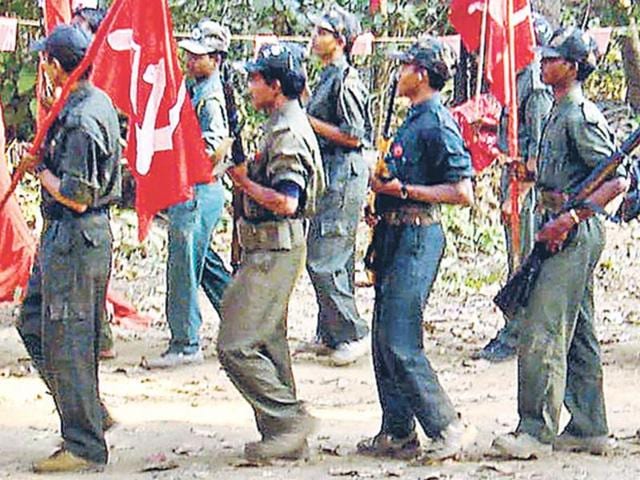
column 192, row 419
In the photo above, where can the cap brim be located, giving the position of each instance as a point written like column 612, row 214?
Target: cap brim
column 194, row 47
column 548, row 52
column 39, row 45
column 319, row 20
column 252, row 67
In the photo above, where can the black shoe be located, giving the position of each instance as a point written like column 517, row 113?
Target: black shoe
column 495, row 351
column 384, row 445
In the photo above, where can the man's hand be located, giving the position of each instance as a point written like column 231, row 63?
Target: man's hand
column 370, row 217
column 238, row 174
column 392, row 188
column 28, row 162
column 555, row 232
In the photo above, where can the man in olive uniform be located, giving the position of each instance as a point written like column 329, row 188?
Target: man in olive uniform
column 279, row 189
column 191, row 261
column 429, row 166
column 80, row 176
column 534, row 103
column 558, row 352
column 339, row 114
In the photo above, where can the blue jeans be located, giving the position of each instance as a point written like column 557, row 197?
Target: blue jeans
column 192, row 263
column 408, row 258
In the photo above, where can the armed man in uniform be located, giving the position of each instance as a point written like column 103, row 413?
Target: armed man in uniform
column 339, row 114
column 80, row 178
column 558, row 352
column 191, row 261
column 428, row 166
column 534, row 104
column 280, row 187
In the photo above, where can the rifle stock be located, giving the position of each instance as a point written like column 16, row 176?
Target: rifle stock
column 516, row 292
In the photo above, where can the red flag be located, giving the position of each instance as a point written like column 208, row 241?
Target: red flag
column 466, row 17
column 17, row 246
column 56, row 12
column 135, row 62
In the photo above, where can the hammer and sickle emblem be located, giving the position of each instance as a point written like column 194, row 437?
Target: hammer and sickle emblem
column 149, row 139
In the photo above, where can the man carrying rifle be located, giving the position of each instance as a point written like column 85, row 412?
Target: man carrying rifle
column 558, row 353
column 279, row 189
column 429, row 166
column 191, row 261
column 339, row 114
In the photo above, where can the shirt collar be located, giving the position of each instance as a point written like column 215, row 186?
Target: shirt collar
column 425, row 106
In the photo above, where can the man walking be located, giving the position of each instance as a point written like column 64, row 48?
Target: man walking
column 558, row 352
column 279, row 187
column 191, row 261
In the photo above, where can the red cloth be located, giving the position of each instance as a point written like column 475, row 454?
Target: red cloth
column 466, row 18
column 134, row 61
column 478, row 120
column 56, row 12
column 17, row 246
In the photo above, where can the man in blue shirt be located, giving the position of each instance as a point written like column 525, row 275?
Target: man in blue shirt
column 428, row 165
column 191, row 260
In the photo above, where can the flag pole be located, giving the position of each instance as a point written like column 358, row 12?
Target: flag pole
column 512, row 136
column 481, row 59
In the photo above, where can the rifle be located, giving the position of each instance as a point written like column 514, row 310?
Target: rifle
column 516, row 292
column 382, row 171
column 238, row 157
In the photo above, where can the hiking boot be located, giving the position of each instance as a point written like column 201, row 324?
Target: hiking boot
column 63, row 461
column 347, row 353
column 495, row 351
column 171, row 359
column 456, row 439
column 385, row 445
column 287, row 445
column 520, row 446
column 600, row 445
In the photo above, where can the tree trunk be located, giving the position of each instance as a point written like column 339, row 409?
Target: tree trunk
column 550, row 9
column 631, row 59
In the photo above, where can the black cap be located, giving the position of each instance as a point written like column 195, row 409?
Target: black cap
column 571, row 44
column 427, row 52
column 276, row 59
column 66, row 43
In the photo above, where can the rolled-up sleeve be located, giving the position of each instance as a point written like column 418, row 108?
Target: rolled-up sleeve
column 286, row 161
column 79, row 168
column 449, row 155
column 353, row 105
column 212, row 116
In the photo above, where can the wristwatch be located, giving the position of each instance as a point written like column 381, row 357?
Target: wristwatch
column 404, row 193
column 41, row 167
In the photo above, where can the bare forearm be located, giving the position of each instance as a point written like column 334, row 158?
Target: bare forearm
column 603, row 195
column 271, row 199
column 51, row 184
column 460, row 193
column 333, row 133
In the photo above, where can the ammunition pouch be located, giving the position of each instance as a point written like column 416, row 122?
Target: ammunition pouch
column 272, row 235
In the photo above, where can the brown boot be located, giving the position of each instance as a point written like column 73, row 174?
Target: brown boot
column 385, row 445
column 63, row 461
column 288, row 445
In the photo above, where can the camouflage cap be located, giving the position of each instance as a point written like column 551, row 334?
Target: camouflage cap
column 66, row 43
column 277, row 59
column 207, row 37
column 340, row 22
column 430, row 53
column 571, row 44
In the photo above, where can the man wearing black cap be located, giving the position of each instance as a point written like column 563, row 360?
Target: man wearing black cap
column 279, row 188
column 339, row 114
column 191, row 261
column 428, row 166
column 558, row 352
column 80, row 178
